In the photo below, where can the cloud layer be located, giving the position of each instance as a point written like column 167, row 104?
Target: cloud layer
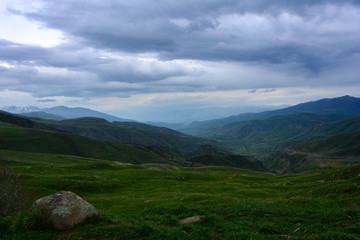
column 122, row 49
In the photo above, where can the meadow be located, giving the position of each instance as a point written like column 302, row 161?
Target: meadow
column 147, row 202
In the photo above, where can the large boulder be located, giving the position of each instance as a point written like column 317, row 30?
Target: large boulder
column 65, row 209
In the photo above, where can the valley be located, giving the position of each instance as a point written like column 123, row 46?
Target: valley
column 287, row 176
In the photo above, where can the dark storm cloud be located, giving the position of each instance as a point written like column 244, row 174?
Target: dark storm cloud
column 46, row 100
column 81, row 59
column 143, row 46
column 198, row 29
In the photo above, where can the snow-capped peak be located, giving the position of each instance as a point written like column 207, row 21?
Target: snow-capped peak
column 16, row 109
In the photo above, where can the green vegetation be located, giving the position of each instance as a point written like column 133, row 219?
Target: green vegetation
column 32, row 138
column 346, row 105
column 146, row 203
column 210, row 155
column 131, row 133
column 341, row 144
column 279, row 132
column 37, row 140
column 42, row 115
column 19, row 121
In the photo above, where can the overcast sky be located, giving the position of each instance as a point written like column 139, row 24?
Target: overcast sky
column 171, row 60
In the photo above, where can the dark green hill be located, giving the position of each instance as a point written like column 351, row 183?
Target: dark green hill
column 345, row 105
column 42, row 115
column 289, row 126
column 341, row 144
column 20, row 121
column 25, row 135
column 209, row 155
column 131, row 133
column 276, row 132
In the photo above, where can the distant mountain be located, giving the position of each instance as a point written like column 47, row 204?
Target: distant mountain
column 174, row 126
column 131, row 133
column 42, row 115
column 17, row 110
column 82, row 112
column 65, row 112
column 346, row 105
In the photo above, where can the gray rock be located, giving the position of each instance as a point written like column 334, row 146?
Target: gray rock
column 65, row 209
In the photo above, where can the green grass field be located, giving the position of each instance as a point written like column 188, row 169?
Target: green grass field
column 146, row 202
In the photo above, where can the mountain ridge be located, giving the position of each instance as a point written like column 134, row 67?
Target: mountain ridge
column 65, row 112
column 130, row 133
column 258, row 136
column 345, row 105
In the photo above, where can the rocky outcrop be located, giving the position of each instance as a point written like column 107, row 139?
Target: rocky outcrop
column 65, row 209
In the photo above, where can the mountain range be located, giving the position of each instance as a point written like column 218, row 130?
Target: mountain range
column 44, row 136
column 346, row 105
column 327, row 126
column 60, row 112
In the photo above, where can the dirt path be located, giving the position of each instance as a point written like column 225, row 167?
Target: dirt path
column 156, row 165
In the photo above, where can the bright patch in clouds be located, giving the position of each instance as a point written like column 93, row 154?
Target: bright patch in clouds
column 17, row 28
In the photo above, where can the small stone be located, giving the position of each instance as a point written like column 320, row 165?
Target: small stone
column 191, row 219
column 287, row 183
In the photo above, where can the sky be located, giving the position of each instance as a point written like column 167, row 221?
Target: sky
column 177, row 61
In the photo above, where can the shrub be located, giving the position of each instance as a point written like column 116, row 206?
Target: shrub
column 14, row 196
column 5, row 224
column 34, row 220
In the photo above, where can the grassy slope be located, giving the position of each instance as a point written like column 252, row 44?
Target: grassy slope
column 32, row 139
column 341, row 144
column 263, row 135
column 140, row 203
column 42, row 115
column 131, row 133
column 345, row 105
column 37, row 140
column 20, row 121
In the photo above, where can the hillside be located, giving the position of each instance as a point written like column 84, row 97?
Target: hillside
column 259, row 136
column 33, row 139
column 346, row 105
column 62, row 111
column 30, row 137
column 347, row 144
column 208, row 154
column 131, row 133
column 20, row 121
column 42, row 115
column 283, row 126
